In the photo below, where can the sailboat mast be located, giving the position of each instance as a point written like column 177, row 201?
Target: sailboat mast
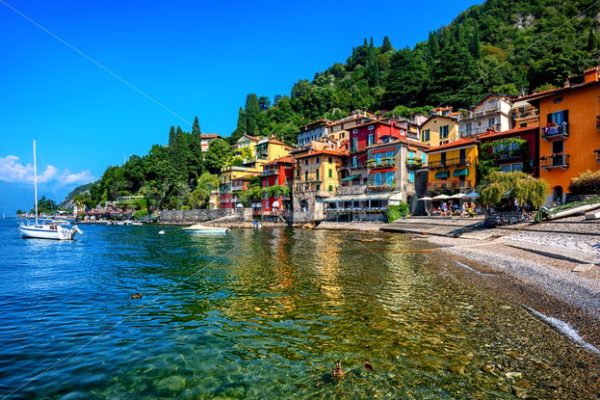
column 35, row 182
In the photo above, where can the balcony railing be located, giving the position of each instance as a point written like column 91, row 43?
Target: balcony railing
column 382, row 187
column 550, row 132
column 383, row 163
column 451, row 162
column 269, row 172
column 507, row 155
column 456, row 184
column 414, row 163
column 310, row 186
column 351, row 190
column 554, row 161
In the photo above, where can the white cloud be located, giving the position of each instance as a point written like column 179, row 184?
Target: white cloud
column 12, row 170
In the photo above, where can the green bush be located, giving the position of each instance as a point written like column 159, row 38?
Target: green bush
column 587, row 182
column 395, row 212
column 139, row 214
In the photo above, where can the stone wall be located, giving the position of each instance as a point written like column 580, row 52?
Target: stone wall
column 186, row 217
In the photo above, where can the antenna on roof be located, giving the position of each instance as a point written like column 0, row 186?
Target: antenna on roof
column 523, row 91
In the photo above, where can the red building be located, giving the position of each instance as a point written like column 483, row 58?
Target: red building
column 363, row 136
column 279, row 172
column 510, row 156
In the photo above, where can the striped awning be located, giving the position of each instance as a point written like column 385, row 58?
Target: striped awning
column 461, row 172
column 350, row 178
column 442, row 174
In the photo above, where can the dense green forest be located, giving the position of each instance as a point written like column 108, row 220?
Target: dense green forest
column 501, row 46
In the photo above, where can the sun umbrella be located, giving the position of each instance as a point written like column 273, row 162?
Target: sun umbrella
column 425, row 198
column 441, row 197
column 473, row 195
column 457, row 196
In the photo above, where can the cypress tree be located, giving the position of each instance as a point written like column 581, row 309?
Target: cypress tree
column 387, row 45
column 196, row 127
column 475, row 44
column 251, row 111
column 171, row 136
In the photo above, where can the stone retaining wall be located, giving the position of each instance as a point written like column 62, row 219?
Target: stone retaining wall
column 188, row 217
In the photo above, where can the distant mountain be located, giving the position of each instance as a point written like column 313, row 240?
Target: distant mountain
column 501, row 46
column 67, row 203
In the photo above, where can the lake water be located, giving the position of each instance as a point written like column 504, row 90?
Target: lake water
column 264, row 315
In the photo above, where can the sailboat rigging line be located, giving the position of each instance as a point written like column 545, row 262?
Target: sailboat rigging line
column 96, row 63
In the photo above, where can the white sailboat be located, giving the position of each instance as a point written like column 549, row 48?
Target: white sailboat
column 45, row 229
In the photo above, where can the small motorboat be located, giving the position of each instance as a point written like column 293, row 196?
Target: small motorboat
column 205, row 229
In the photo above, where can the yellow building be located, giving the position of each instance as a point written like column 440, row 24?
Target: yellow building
column 452, row 167
column 247, row 141
column 271, row 149
column 316, row 177
column 438, row 130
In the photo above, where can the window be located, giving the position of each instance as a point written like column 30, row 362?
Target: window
column 558, row 117
column 371, row 127
column 330, row 188
column 411, row 155
column 425, row 135
column 317, row 173
column 469, row 129
column 444, row 132
column 378, row 159
column 318, row 187
column 354, row 130
column 354, row 146
column 330, row 160
column 389, row 178
column 330, row 173
column 443, row 159
column 491, row 122
column 411, row 176
column 306, row 176
column 354, row 162
column 306, row 161
column 423, row 158
column 370, row 139
column 512, row 167
column 378, row 179
column 463, row 155
column 318, row 160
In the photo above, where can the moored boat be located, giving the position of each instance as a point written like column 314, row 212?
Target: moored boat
column 205, row 229
column 45, row 229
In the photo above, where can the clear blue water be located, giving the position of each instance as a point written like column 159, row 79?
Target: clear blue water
column 263, row 315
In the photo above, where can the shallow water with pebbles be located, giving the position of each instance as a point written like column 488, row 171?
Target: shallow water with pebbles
column 265, row 315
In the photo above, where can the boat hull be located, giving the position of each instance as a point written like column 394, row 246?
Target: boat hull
column 31, row 232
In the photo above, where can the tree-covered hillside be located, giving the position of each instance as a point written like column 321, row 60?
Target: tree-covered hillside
column 501, row 46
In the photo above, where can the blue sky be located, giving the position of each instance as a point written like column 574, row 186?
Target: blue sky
column 194, row 57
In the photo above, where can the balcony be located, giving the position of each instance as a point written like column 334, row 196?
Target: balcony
column 597, row 121
column 383, row 163
column 451, row 162
column 555, row 132
column 309, row 186
column 225, row 188
column 372, row 186
column 449, row 185
column 554, row 161
column 351, row 190
column 597, row 151
column 508, row 155
column 269, row 172
column 412, row 163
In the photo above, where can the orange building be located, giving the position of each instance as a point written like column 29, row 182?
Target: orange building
column 569, row 130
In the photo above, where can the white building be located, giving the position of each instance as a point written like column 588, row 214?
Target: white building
column 493, row 112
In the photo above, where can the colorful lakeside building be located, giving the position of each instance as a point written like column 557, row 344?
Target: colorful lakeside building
column 569, row 133
column 276, row 201
column 452, row 167
column 317, row 177
column 513, row 150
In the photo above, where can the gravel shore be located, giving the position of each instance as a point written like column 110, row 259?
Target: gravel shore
column 547, row 284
